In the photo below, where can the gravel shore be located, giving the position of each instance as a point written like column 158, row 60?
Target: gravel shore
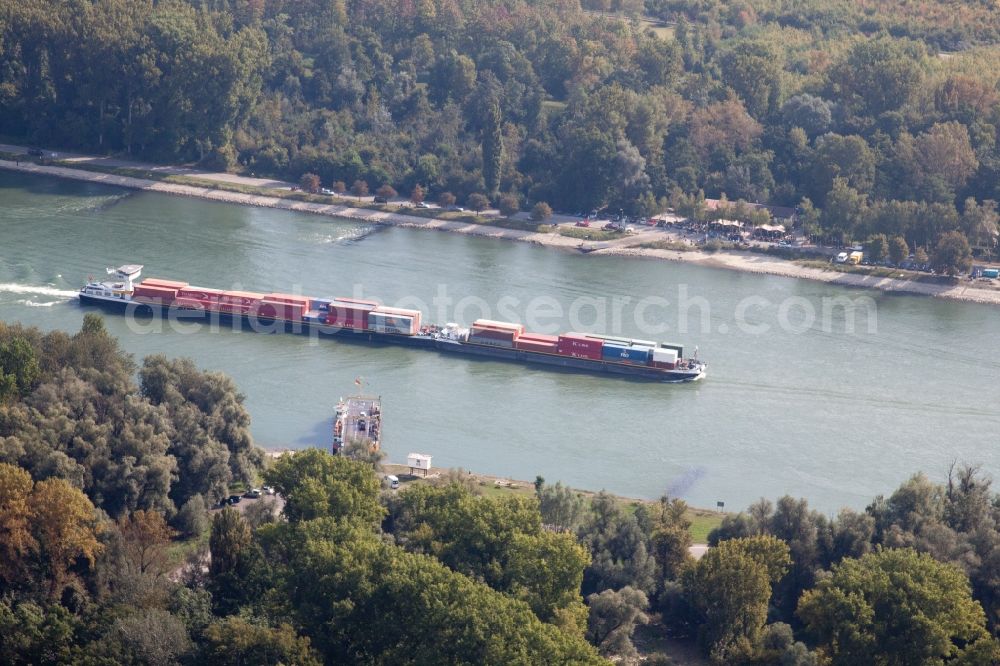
column 740, row 261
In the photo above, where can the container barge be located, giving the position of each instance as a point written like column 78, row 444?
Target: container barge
column 367, row 321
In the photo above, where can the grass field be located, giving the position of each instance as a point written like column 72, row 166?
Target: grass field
column 590, row 233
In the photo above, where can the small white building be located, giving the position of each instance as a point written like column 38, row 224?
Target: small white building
column 418, row 462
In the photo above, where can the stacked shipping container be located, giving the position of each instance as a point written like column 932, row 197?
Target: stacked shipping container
column 537, row 342
column 495, row 333
column 619, row 354
column 580, row 346
column 349, row 313
column 154, row 294
column 368, row 315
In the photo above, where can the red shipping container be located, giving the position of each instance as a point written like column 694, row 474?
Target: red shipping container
column 245, row 298
column 234, row 308
column 154, row 294
column 663, row 366
column 413, row 314
column 200, row 294
column 539, row 337
column 347, row 318
column 530, row 345
column 493, row 334
column 356, row 301
column 288, row 298
column 168, row 284
column 574, row 344
column 268, row 309
column 189, row 303
column 500, row 325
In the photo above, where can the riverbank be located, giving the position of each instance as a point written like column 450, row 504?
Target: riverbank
column 703, row 521
column 627, row 246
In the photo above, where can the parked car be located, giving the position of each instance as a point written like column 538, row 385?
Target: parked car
column 235, row 499
column 583, row 223
column 327, row 191
column 268, row 490
column 423, row 204
column 457, row 209
column 380, row 200
column 36, row 152
column 253, row 493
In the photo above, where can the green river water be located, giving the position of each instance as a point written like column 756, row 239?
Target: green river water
column 805, row 407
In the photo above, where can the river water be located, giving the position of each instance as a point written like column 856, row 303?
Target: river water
column 805, row 407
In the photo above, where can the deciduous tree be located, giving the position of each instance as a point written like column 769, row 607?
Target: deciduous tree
column 897, row 607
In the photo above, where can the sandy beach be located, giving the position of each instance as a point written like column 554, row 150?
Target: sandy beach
column 627, row 247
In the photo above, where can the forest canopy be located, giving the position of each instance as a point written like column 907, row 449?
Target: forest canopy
column 540, row 101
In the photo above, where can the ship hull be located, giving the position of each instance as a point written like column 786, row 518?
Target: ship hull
column 266, row 325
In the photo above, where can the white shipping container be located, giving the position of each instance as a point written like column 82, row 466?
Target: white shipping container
column 664, row 355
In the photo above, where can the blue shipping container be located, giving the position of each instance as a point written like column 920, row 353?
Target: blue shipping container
column 319, row 304
column 625, row 354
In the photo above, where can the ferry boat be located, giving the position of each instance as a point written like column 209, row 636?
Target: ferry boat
column 369, row 322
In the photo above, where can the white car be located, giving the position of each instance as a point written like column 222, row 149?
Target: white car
column 841, row 258
column 423, row 204
column 326, row 191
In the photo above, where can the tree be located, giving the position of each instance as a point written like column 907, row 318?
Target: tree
column 952, row 254
column 339, row 187
column 19, row 367
column 613, row 618
column 619, row 549
column 316, row 484
column 496, row 540
column 145, row 536
column 541, row 211
column 509, row 205
column 492, row 149
column 147, row 636
column 559, row 506
column 877, row 248
column 670, row 537
column 753, row 70
column 229, row 541
column 812, row 114
column 234, row 641
column 844, row 210
column 895, row 606
column 417, row 194
column 407, row 607
column 945, row 152
column 238, row 574
column 36, row 634
column 846, row 157
column 446, row 200
column 899, row 250
column 192, row 519
column 211, row 439
column 65, row 528
column 386, row 191
column 981, row 224
column 478, row 202
column 16, row 540
column 730, row 587
column 879, row 74
column 359, row 189
column 309, row 182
